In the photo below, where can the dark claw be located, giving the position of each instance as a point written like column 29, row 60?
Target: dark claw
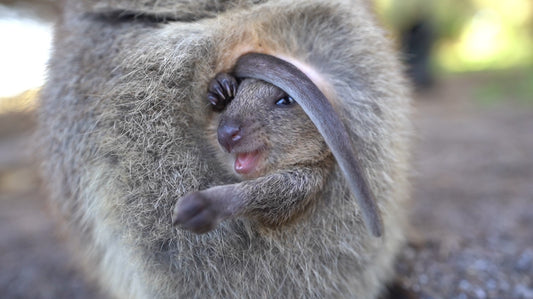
column 213, row 99
column 222, row 89
column 217, row 89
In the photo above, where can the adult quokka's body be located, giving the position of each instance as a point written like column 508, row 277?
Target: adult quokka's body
column 125, row 121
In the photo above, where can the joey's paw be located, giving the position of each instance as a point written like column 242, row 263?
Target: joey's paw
column 196, row 212
column 222, row 89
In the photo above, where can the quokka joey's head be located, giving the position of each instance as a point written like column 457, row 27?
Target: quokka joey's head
column 289, row 137
column 264, row 129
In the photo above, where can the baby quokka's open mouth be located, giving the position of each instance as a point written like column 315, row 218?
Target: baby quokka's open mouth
column 238, row 139
column 247, row 163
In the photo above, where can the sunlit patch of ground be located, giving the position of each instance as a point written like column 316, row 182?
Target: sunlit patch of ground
column 23, row 102
column 26, row 37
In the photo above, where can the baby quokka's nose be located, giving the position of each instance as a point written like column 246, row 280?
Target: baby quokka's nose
column 229, row 134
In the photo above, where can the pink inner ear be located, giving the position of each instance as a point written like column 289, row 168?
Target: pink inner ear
column 312, row 74
column 308, row 70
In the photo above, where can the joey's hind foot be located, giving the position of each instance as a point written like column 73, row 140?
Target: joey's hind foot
column 222, row 89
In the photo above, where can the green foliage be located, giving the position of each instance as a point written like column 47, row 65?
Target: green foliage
column 513, row 85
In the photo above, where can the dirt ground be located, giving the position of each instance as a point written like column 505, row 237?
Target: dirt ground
column 472, row 210
column 472, row 194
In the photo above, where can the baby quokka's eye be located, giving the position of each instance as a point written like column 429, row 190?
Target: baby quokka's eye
column 285, row 101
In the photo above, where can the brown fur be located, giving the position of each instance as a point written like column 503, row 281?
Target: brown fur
column 124, row 123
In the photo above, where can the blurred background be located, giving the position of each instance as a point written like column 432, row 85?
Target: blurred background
column 471, row 65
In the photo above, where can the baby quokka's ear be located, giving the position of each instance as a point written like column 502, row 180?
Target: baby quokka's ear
column 298, row 85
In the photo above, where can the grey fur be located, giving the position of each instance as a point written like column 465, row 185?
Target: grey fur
column 124, row 121
column 324, row 117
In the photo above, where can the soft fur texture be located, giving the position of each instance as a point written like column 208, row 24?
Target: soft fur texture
column 125, row 126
